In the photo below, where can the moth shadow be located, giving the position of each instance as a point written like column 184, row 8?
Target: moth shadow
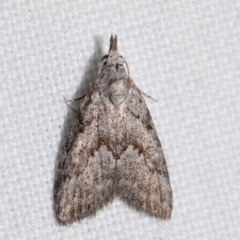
column 89, row 77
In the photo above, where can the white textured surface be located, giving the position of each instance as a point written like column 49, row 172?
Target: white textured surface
column 184, row 53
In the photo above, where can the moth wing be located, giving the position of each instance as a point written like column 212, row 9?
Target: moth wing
column 84, row 178
column 143, row 180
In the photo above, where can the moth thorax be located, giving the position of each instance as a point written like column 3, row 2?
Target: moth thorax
column 118, row 92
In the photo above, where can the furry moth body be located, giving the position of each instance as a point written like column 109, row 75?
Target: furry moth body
column 112, row 151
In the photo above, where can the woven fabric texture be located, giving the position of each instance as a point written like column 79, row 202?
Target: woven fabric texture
column 183, row 53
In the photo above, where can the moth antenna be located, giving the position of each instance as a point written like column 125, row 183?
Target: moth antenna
column 128, row 72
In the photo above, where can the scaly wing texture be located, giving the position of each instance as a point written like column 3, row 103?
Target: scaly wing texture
column 84, row 178
column 142, row 175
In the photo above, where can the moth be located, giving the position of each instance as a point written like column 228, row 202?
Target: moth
column 112, row 150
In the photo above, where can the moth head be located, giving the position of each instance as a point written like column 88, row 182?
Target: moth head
column 113, row 43
column 113, row 58
column 113, row 54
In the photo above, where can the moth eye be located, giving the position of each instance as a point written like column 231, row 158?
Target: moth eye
column 121, row 56
column 106, row 56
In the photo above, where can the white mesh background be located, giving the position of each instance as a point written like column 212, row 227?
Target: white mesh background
column 184, row 53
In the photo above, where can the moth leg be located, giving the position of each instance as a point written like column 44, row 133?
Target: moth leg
column 148, row 96
column 73, row 100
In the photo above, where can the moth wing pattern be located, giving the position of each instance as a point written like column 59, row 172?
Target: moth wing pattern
column 84, row 181
column 112, row 150
column 142, row 174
